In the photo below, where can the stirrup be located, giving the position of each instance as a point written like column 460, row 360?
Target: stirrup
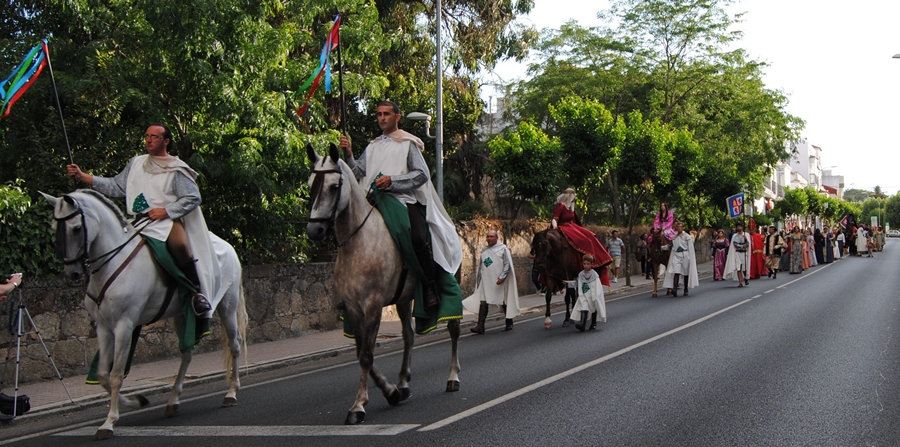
column 200, row 304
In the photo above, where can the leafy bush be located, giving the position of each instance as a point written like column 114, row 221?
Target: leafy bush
column 26, row 235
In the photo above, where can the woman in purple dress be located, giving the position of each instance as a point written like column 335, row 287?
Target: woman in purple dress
column 719, row 250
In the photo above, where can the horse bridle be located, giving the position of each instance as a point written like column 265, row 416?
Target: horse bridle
column 86, row 262
column 330, row 236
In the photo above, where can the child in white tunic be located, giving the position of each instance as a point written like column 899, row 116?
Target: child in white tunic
column 590, row 295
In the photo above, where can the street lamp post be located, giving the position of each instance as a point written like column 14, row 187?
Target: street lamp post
column 439, row 122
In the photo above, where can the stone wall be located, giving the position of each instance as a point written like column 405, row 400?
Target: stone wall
column 283, row 301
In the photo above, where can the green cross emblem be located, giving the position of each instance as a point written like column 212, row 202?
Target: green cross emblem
column 585, row 287
column 488, row 262
column 140, row 204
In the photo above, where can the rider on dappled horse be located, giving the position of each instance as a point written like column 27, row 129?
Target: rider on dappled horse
column 393, row 167
column 584, row 242
column 165, row 189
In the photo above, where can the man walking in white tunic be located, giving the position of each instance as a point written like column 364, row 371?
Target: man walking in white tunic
column 495, row 283
column 682, row 262
column 737, row 265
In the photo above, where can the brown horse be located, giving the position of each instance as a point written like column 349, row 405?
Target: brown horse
column 557, row 261
column 658, row 257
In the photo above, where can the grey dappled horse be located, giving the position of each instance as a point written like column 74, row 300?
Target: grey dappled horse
column 367, row 273
column 125, row 288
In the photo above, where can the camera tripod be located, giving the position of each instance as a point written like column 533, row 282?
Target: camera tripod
column 20, row 313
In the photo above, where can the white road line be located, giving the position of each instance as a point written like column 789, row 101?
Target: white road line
column 769, row 291
column 555, row 378
column 208, row 431
column 522, row 391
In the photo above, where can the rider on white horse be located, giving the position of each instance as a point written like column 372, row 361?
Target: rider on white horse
column 165, row 188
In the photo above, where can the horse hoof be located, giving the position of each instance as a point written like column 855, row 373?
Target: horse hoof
column 547, row 323
column 405, row 393
column 395, row 397
column 103, row 434
column 142, row 400
column 452, row 386
column 171, row 410
column 229, row 402
column 355, row 417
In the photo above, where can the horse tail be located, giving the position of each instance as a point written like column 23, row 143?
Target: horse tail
column 243, row 321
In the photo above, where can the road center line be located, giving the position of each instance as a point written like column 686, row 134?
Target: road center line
column 208, row 431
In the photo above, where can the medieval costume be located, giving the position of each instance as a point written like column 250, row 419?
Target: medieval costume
column 796, row 241
column 879, row 239
column 682, row 262
column 829, row 247
column 739, row 258
column 840, row 238
column 720, row 254
column 774, row 246
column 819, row 239
column 495, row 264
column 785, row 264
column 425, row 235
column 758, row 267
column 590, row 299
column 149, row 182
column 811, row 248
column 582, row 240
column 862, row 244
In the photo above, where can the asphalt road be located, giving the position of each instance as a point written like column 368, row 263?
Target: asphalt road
column 808, row 359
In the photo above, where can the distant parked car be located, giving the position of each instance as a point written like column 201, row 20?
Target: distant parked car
column 893, row 233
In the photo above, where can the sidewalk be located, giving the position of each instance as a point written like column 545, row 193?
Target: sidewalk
column 50, row 397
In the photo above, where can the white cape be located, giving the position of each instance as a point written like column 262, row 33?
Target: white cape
column 734, row 262
column 592, row 300
column 488, row 291
column 674, row 257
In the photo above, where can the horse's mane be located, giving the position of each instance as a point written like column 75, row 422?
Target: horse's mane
column 105, row 201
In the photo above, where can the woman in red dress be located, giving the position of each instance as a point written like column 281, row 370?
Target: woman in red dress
column 758, row 258
column 581, row 238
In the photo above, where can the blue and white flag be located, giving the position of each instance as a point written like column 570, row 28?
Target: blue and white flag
column 736, row 205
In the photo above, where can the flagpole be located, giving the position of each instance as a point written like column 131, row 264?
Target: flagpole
column 341, row 81
column 62, row 123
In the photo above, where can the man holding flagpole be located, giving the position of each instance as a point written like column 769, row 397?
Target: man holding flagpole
column 164, row 188
column 393, row 168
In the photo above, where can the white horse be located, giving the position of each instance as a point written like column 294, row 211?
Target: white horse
column 126, row 288
column 368, row 271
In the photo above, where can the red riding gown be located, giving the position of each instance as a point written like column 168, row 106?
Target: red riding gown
column 582, row 240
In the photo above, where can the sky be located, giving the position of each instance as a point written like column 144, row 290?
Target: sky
column 832, row 60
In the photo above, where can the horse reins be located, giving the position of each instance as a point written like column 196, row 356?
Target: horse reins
column 86, row 262
column 318, row 181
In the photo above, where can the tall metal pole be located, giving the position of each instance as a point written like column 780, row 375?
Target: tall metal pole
column 439, row 123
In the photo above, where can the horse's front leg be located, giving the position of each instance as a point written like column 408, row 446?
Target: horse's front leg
column 404, row 311
column 547, row 297
column 453, row 380
column 174, row 403
column 365, row 329
column 118, row 345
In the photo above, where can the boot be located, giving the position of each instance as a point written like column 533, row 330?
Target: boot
column 774, row 274
column 199, row 302
column 430, row 295
column 482, row 316
column 593, row 321
column 509, row 321
column 675, row 285
column 685, row 287
column 583, row 323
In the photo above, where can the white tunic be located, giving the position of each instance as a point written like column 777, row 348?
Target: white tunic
column 388, row 156
column 738, row 261
column 590, row 295
column 682, row 261
column 151, row 183
column 861, row 240
column 494, row 260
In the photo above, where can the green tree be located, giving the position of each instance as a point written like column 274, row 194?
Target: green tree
column 525, row 162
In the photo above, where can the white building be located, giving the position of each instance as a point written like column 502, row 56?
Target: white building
column 833, row 181
column 806, row 164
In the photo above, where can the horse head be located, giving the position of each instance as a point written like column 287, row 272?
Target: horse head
column 329, row 193
column 72, row 236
